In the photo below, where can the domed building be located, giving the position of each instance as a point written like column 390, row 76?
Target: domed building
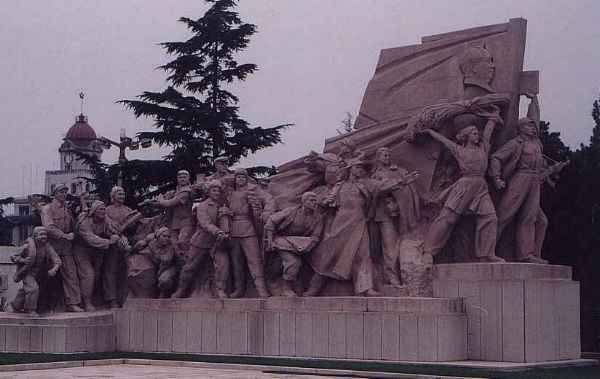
column 80, row 138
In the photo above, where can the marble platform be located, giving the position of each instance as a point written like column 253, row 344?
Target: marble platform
column 57, row 333
column 388, row 329
column 517, row 312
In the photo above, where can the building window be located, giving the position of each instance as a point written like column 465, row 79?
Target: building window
column 87, row 187
column 23, row 210
column 52, row 187
column 73, row 188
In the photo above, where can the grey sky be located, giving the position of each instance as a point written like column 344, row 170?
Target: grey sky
column 315, row 59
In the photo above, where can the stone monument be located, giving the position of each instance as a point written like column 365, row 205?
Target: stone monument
column 388, row 245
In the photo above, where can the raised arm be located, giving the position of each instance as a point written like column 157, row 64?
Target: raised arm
column 493, row 120
column 452, row 146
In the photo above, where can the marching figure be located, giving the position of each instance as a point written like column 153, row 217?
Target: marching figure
column 293, row 233
column 469, row 195
column 212, row 229
column 35, row 263
column 58, row 221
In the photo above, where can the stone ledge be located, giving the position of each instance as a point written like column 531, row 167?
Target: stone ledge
column 501, row 271
column 58, row 319
column 423, row 305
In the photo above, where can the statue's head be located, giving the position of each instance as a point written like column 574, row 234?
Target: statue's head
column 40, row 234
column 117, row 195
column 527, row 127
column 310, row 200
column 358, row 169
column 383, row 155
column 214, row 188
column 241, row 177
column 183, row 178
column 60, row 192
column 97, row 210
column 477, row 65
column 466, row 124
column 221, row 165
column 332, row 173
column 163, row 236
column 347, row 148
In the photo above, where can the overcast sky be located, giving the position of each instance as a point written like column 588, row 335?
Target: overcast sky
column 315, row 59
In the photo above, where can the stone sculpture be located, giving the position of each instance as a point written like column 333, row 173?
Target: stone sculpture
column 114, row 266
column 96, row 236
column 343, row 253
column 58, row 221
column 395, row 213
column 250, row 206
column 518, row 169
column 154, row 266
column 35, row 263
column 178, row 204
column 293, row 233
column 213, row 221
column 469, row 194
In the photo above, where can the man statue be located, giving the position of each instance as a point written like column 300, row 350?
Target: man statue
column 222, row 173
column 212, row 229
column 477, row 66
column 114, row 271
column 58, row 221
column 293, row 232
column 180, row 216
column 407, row 201
column 250, row 206
column 518, row 168
column 343, row 254
column 35, row 263
column 97, row 235
column 157, row 256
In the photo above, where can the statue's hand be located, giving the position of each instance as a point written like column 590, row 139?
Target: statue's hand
column 70, row 236
column 52, row 271
column 499, row 183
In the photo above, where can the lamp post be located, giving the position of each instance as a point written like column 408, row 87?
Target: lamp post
column 124, row 144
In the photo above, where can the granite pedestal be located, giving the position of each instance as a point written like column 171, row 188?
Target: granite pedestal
column 517, row 312
column 388, row 329
column 59, row 333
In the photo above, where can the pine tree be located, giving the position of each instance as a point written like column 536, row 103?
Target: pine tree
column 196, row 114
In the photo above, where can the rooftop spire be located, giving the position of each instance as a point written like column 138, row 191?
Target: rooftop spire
column 82, row 97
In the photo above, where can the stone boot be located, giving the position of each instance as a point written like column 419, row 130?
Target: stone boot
column 315, row 285
column 261, row 287
column 74, row 308
column 287, row 289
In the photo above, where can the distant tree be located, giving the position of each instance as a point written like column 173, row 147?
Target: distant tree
column 196, row 114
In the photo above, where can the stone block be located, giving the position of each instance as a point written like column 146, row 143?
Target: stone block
column 241, row 305
column 136, row 330
column 239, row 332
column 150, row 324
column 49, row 340
column 35, row 343
column 256, row 333
column 304, row 334
column 409, row 336
column 567, row 300
column 122, row 329
column 373, row 326
column 179, row 331
column 427, row 338
column 24, row 339
column 224, row 320
column 548, row 322
column 165, row 331
column 287, row 334
column 271, row 333
column 491, row 320
column 513, row 321
column 452, row 338
column 337, row 335
column 471, row 294
column 390, row 337
column 209, row 332
column 193, row 338
column 320, row 334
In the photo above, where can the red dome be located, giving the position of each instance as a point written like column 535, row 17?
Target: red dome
column 81, row 130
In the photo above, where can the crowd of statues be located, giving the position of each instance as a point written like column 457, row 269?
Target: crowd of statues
column 226, row 228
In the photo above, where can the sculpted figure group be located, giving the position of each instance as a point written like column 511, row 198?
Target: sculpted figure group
column 347, row 223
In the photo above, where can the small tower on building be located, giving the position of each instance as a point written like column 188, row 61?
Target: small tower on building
column 80, row 138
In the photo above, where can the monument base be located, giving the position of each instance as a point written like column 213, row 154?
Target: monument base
column 517, row 312
column 57, row 333
column 387, row 329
